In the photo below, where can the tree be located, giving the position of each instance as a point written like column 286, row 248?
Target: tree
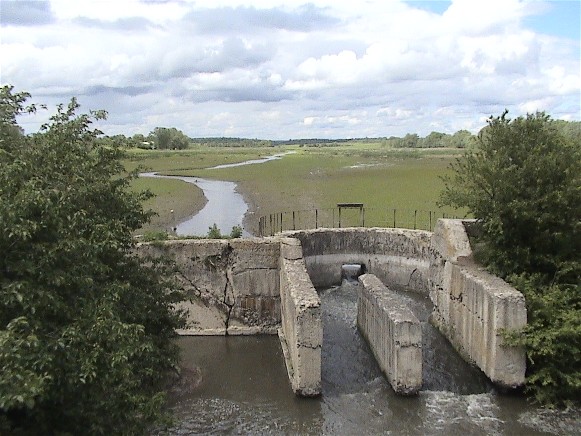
column 86, row 326
column 462, row 139
column 410, row 140
column 170, row 138
column 523, row 184
column 434, row 139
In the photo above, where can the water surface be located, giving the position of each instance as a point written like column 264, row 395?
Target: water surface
column 225, row 206
column 245, row 389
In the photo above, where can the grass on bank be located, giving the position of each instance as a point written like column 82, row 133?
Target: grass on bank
column 184, row 199
column 317, row 178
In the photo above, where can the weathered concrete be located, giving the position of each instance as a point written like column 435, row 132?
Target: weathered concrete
column 398, row 257
column 232, row 285
column 301, row 332
column 266, row 285
column 472, row 307
column 393, row 332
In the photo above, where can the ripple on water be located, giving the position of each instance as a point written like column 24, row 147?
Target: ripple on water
column 245, row 390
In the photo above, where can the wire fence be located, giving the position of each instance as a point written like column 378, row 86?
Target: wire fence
column 338, row 217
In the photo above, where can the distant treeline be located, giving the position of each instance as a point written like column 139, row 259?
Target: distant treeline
column 164, row 138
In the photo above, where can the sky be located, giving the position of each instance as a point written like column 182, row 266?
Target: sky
column 290, row 69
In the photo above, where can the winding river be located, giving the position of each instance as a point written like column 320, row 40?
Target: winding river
column 225, row 207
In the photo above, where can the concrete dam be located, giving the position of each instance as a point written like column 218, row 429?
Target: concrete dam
column 269, row 286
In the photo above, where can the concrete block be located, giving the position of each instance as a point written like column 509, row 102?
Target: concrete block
column 393, row 332
column 451, row 240
column 301, row 332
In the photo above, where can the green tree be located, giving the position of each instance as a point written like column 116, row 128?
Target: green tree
column 433, row 140
column 462, row 139
column 170, row 138
column 411, row 140
column 523, row 184
column 85, row 324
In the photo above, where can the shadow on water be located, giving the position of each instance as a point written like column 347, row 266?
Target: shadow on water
column 244, row 388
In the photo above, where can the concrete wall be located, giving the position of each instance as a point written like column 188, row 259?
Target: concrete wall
column 301, row 331
column 232, row 285
column 248, row 286
column 472, row 307
column 400, row 258
column 393, row 333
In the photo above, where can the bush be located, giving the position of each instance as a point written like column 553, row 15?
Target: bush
column 523, row 184
column 214, row 232
column 86, row 326
column 236, row 232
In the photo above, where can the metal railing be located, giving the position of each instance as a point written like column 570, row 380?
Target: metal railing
column 269, row 225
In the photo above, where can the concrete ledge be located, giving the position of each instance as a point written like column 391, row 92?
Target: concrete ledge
column 399, row 257
column 301, row 331
column 472, row 308
column 393, row 332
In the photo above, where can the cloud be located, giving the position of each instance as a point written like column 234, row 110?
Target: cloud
column 228, row 20
column 130, row 24
column 25, row 13
column 287, row 69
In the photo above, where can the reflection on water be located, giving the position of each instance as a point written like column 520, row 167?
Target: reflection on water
column 245, row 389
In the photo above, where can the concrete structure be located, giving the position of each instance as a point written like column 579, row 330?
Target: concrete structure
column 301, row 332
column 399, row 257
column 267, row 285
column 472, row 307
column 393, row 333
column 232, row 285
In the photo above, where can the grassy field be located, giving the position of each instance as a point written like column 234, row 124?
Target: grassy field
column 312, row 178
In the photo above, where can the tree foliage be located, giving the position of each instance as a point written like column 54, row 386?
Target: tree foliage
column 523, row 184
column 85, row 325
column 169, row 138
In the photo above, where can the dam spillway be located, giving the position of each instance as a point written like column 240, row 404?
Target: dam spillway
column 248, row 283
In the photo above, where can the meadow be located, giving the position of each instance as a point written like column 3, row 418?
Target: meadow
column 310, row 178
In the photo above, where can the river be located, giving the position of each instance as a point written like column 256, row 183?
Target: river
column 244, row 388
column 225, row 206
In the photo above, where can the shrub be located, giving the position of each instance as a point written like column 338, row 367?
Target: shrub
column 523, row 184
column 85, row 324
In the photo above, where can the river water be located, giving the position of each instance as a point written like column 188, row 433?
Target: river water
column 225, row 206
column 244, row 388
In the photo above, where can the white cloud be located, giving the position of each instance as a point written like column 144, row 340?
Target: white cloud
column 282, row 69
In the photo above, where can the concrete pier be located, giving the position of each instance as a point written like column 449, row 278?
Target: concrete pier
column 393, row 333
column 301, row 331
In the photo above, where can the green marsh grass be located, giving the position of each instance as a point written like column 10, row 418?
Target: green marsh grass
column 320, row 177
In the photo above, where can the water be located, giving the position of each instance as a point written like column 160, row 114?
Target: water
column 244, row 388
column 253, row 161
column 225, row 207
